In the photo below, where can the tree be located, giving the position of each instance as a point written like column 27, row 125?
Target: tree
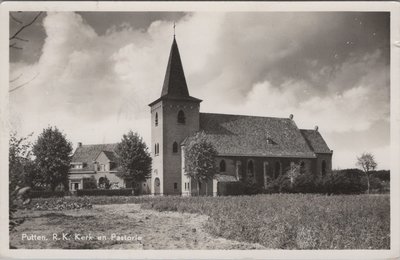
column 134, row 158
column 53, row 157
column 367, row 163
column 200, row 160
column 20, row 169
column 20, row 161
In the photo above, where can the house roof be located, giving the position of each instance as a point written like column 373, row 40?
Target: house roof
column 111, row 155
column 315, row 141
column 239, row 135
column 88, row 153
column 175, row 86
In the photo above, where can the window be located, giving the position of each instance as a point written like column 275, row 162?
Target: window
column 238, row 170
column 102, row 167
column 222, row 166
column 277, row 170
column 175, row 185
column 156, row 119
column 323, row 168
column 185, row 185
column 181, row 117
column 156, row 149
column 175, row 147
column 250, row 168
column 302, row 166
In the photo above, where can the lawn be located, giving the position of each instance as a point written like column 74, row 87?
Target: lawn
column 278, row 221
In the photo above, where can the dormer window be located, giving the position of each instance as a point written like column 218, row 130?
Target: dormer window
column 181, row 117
column 270, row 141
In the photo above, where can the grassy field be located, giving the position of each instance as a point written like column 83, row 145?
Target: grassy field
column 279, row 221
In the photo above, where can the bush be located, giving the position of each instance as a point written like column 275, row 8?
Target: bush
column 383, row 175
column 349, row 181
column 90, row 183
column 46, row 194
column 100, row 192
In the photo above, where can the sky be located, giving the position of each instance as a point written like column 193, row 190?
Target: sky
column 93, row 74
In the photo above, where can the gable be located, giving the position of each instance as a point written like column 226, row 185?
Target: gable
column 315, row 141
column 87, row 154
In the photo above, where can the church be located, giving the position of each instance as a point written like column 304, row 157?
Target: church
column 249, row 148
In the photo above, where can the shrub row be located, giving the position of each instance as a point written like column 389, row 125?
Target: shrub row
column 47, row 194
column 349, row 181
column 101, row 192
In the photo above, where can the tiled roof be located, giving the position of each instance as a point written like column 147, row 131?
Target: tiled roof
column 239, row 135
column 175, row 81
column 111, row 155
column 175, row 86
column 88, row 153
column 315, row 141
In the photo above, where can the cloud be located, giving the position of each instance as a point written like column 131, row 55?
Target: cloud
column 96, row 86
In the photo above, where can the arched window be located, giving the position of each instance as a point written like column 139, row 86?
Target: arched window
column 222, row 166
column 277, row 170
column 323, row 168
column 181, row 117
column 302, row 166
column 250, row 168
column 155, row 149
column 158, row 148
column 156, row 119
column 175, row 147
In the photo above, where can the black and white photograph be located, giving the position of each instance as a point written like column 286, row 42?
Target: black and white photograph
column 226, row 128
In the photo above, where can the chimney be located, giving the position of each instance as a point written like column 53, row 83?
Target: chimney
column 316, row 128
column 79, row 144
column 291, row 116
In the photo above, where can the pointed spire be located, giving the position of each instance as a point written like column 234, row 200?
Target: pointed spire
column 175, row 82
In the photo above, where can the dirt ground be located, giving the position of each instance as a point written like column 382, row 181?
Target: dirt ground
column 117, row 226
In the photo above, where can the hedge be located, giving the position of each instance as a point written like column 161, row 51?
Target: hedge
column 103, row 192
column 46, row 194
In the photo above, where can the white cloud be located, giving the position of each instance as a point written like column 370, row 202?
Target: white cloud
column 96, row 87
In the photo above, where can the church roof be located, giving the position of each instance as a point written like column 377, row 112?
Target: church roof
column 175, row 86
column 315, row 141
column 238, row 135
column 86, row 154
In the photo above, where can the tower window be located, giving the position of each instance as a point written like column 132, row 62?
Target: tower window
column 222, row 166
column 175, row 147
column 156, row 119
column 175, row 185
column 156, row 149
column 181, row 117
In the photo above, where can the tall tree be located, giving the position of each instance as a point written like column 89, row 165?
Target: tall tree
column 367, row 164
column 134, row 157
column 200, row 160
column 53, row 157
column 20, row 161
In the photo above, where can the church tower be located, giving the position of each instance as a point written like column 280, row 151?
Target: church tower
column 174, row 116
